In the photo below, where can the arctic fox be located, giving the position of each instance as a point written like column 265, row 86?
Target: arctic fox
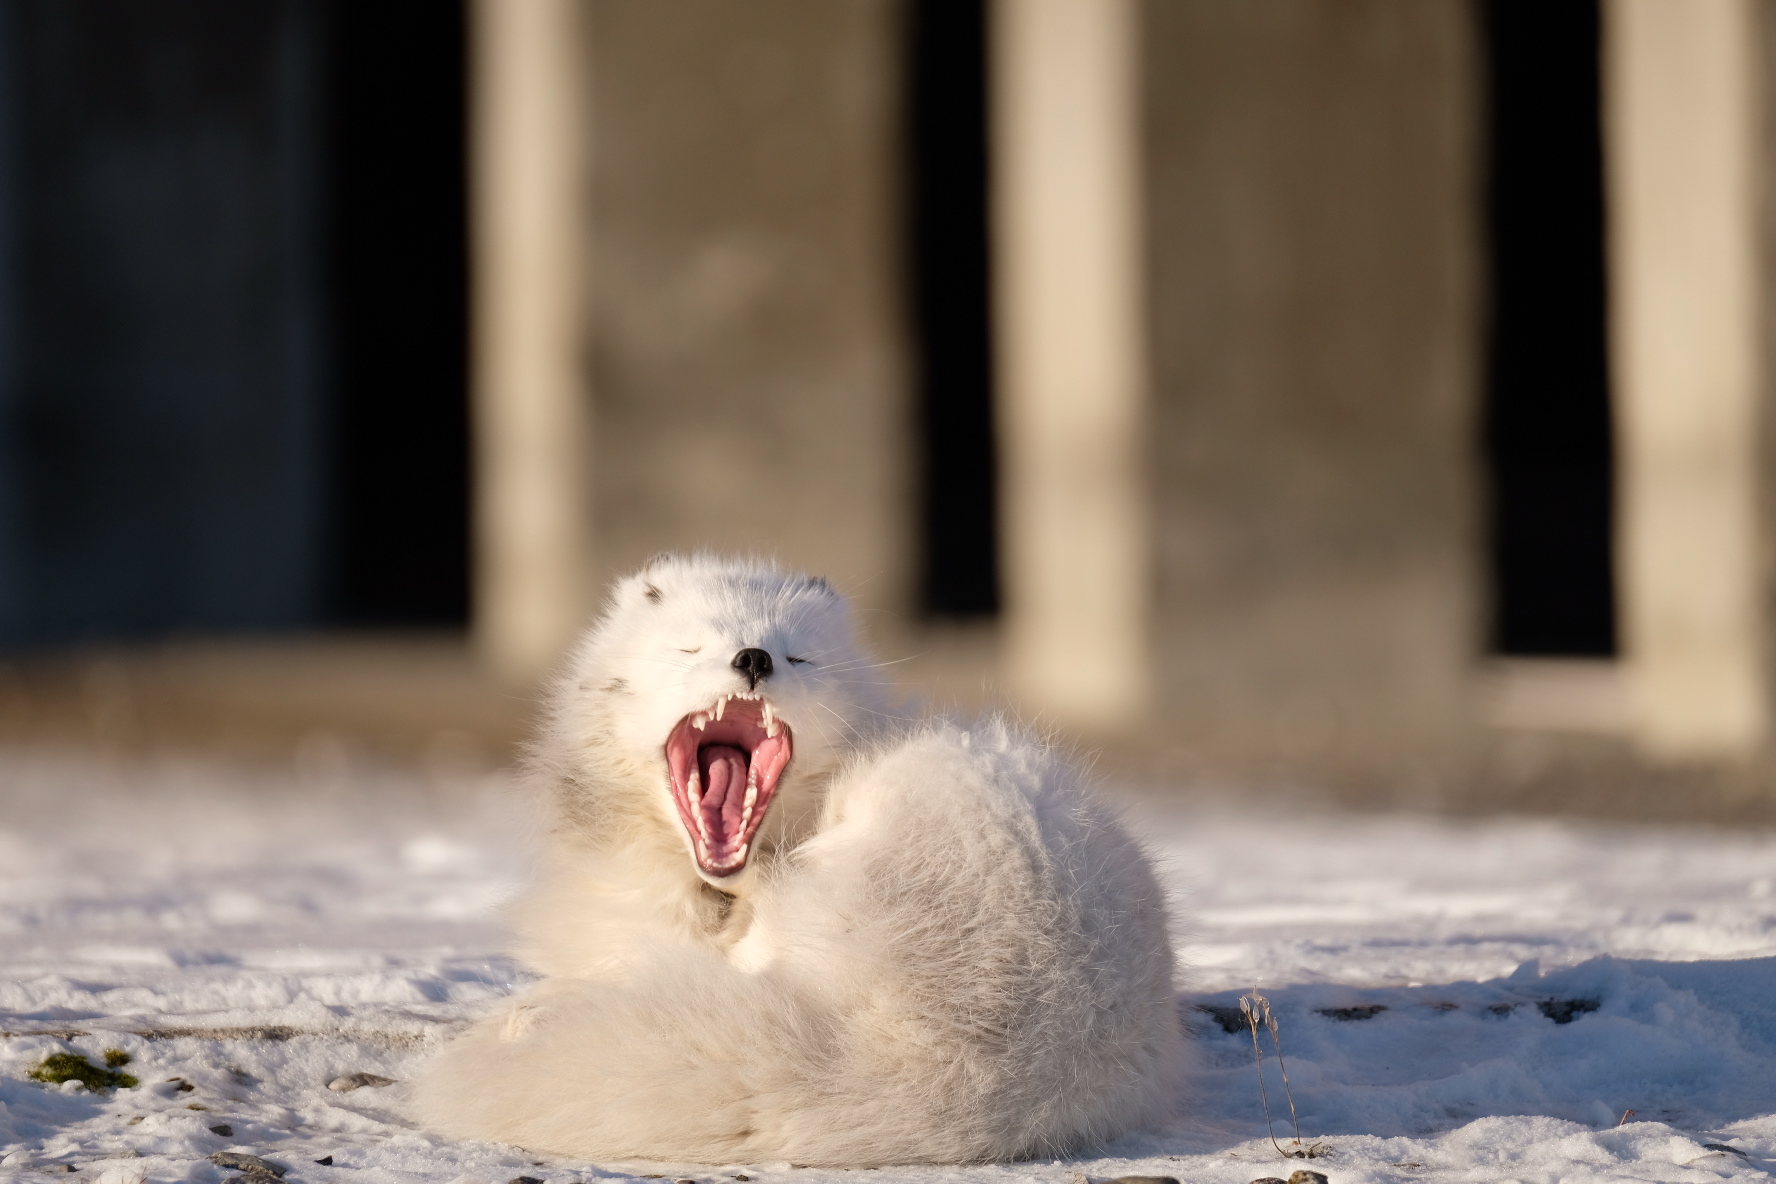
column 777, row 922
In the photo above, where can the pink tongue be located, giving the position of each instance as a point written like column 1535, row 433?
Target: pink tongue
column 724, row 789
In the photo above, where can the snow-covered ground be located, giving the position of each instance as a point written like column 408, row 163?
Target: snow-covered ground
column 255, row 936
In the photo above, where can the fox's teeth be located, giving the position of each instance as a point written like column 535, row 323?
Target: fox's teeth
column 694, row 791
column 721, row 705
column 700, row 720
column 752, row 792
column 769, row 715
column 772, row 728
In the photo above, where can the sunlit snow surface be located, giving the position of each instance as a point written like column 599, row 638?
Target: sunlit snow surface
column 258, row 935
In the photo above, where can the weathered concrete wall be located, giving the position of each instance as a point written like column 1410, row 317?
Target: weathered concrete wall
column 747, row 349
column 1312, row 229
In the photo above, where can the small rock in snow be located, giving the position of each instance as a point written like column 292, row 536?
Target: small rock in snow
column 1270, row 1180
column 1565, row 1011
column 223, row 1129
column 524, row 1180
column 251, row 1164
column 351, row 1081
column 325, row 1161
column 1306, row 1177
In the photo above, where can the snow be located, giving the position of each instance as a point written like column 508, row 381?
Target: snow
column 258, row 934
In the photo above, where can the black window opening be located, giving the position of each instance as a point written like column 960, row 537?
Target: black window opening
column 232, row 318
column 399, row 295
column 951, row 312
column 1547, row 434
column 163, row 441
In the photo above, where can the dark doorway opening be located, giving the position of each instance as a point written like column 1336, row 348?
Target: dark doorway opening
column 162, row 423
column 399, row 313
column 232, row 317
column 951, row 310
column 1547, row 431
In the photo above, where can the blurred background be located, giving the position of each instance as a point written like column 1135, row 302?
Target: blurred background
column 1354, row 398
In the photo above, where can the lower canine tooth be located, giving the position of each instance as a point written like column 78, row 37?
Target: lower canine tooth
column 700, row 721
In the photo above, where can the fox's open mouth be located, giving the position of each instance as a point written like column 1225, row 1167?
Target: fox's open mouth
column 725, row 764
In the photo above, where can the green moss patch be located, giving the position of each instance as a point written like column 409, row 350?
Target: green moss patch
column 58, row 1067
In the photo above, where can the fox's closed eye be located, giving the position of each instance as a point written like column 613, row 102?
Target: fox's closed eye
column 794, row 659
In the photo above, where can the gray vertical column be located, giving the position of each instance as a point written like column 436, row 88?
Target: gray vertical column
column 532, row 409
column 1687, row 174
column 1070, row 359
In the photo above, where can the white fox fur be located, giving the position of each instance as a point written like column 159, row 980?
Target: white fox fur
column 941, row 948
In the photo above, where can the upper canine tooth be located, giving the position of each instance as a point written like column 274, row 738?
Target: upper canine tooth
column 721, row 705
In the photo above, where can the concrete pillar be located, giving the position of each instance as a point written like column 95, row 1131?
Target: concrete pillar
column 1071, row 375
column 532, row 410
column 1314, row 231
column 1684, row 160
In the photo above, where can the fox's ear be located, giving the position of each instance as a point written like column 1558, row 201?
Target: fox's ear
column 657, row 559
column 819, row 584
column 635, row 587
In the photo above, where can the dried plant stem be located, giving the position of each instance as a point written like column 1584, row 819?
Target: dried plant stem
column 1256, row 1009
column 1271, row 1023
column 1251, row 1015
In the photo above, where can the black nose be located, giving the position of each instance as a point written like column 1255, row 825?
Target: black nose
column 754, row 664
